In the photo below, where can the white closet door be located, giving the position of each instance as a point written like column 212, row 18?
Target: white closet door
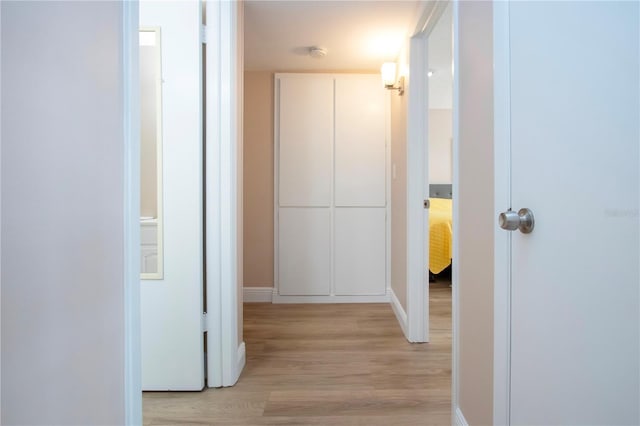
column 360, row 171
column 304, row 251
column 360, row 244
column 305, row 140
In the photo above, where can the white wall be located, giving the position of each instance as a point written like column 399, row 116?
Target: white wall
column 477, row 221
column 399, row 106
column 62, row 213
column 440, row 140
column 171, row 309
column 441, row 62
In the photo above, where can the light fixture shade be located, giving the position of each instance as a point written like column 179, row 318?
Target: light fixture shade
column 388, row 72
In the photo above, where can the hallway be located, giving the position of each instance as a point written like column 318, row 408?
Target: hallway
column 327, row 364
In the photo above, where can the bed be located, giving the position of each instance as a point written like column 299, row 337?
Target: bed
column 440, row 227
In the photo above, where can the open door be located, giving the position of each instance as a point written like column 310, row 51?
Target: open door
column 172, row 301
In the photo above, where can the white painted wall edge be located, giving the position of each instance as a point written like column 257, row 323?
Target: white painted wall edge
column 131, row 181
column 401, row 315
column 459, row 419
column 223, row 364
column 455, row 175
column 126, row 353
column 257, row 294
column 213, row 237
column 228, row 51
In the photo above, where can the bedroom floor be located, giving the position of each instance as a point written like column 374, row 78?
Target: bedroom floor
column 326, row 364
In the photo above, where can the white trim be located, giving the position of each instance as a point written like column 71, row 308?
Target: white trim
column 502, row 240
column 229, row 190
column 401, row 315
column 257, row 294
column 459, row 419
column 455, row 270
column 418, row 175
column 222, row 121
column 428, row 18
column 131, row 188
column 126, row 352
column 213, row 208
column 276, row 182
column 388, row 182
column 417, row 181
column 241, row 359
column 383, row 298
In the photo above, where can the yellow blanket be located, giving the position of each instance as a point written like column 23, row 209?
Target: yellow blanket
column 440, row 234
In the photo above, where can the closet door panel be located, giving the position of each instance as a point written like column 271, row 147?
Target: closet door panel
column 304, row 251
column 360, row 251
column 305, row 141
column 360, row 151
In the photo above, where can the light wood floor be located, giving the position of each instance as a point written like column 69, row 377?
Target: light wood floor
column 326, row 365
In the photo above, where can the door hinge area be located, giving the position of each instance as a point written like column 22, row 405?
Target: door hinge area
column 426, row 203
column 203, row 326
column 204, row 34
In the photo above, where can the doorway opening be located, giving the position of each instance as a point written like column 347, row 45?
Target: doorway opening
column 439, row 170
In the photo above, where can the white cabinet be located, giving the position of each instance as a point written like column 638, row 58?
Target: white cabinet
column 360, row 142
column 331, row 181
column 359, row 251
column 305, row 245
column 305, row 134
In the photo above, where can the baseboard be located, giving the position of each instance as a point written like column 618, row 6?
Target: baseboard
column 257, row 294
column 383, row 298
column 401, row 315
column 459, row 419
column 241, row 361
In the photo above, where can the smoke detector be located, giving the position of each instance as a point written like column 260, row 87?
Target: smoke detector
column 317, row 52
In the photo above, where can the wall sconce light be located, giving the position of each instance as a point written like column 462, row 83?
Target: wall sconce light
column 388, row 72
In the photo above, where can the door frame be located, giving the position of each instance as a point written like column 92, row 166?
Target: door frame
column 417, row 175
column 131, row 213
column 502, row 201
column 225, row 353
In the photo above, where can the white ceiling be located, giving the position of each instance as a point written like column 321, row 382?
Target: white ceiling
column 358, row 35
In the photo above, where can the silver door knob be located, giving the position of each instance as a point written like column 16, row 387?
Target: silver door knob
column 523, row 220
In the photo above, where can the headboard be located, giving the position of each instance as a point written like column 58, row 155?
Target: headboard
column 440, row 190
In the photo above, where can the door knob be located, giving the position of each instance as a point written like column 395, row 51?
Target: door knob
column 523, row 220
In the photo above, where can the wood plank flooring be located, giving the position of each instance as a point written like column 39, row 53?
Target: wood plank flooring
column 326, row 364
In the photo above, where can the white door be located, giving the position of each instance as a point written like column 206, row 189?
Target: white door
column 574, row 162
column 172, row 344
